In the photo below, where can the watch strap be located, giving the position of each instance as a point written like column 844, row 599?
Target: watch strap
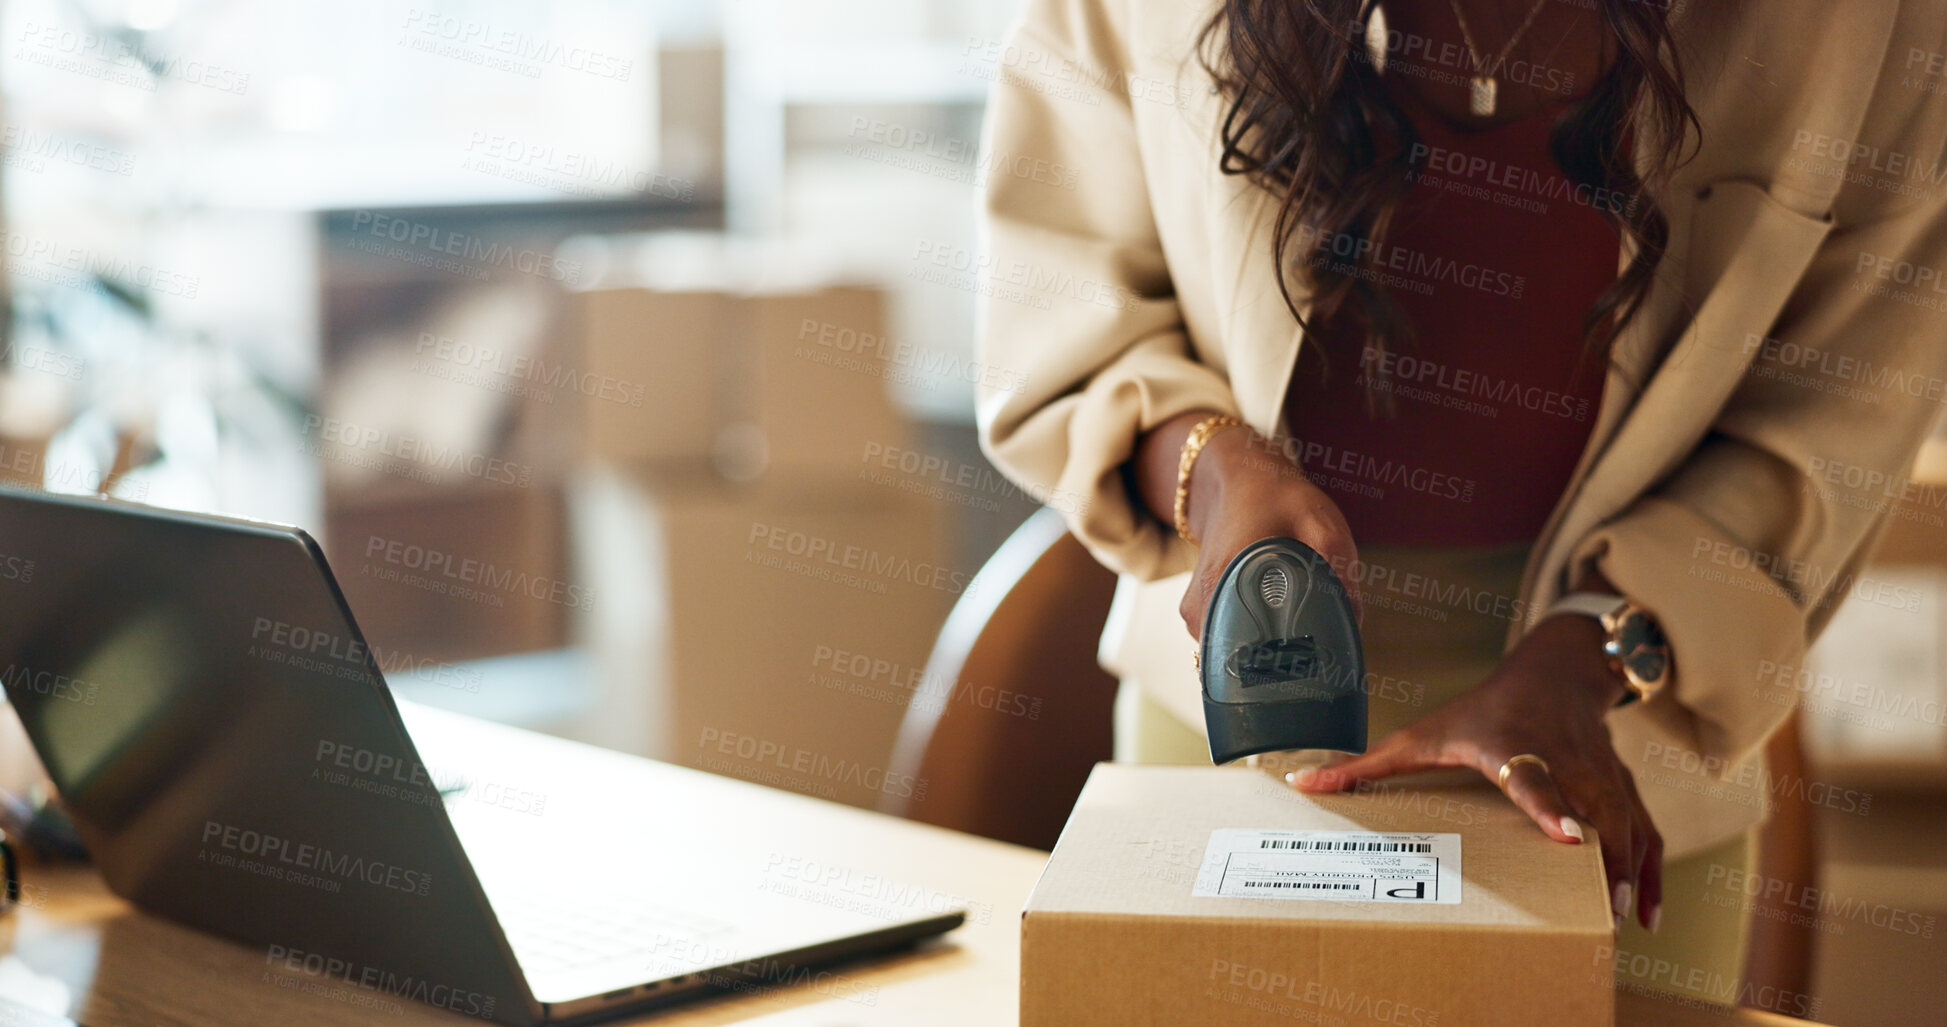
column 1589, row 604
column 1603, row 607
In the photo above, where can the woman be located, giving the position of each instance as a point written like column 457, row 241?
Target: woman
column 1509, row 301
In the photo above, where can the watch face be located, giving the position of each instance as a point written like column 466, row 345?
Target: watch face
column 1638, row 642
column 1647, row 666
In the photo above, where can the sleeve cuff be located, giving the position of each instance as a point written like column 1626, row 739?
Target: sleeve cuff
column 1109, row 520
column 1736, row 635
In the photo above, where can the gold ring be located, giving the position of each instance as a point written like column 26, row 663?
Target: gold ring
column 1517, row 760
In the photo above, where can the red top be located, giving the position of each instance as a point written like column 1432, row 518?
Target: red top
column 1495, row 257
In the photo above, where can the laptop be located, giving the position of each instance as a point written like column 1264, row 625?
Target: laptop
column 224, row 740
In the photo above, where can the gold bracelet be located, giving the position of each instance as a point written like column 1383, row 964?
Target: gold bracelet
column 1186, row 462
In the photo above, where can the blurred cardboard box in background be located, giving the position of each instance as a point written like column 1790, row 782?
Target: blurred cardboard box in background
column 747, row 383
column 664, row 352
column 455, row 572
column 765, row 633
column 694, row 438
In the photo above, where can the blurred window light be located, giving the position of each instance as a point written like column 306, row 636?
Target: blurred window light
column 303, row 103
column 150, row 15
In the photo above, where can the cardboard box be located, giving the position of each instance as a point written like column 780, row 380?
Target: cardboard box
column 774, row 635
column 455, row 573
column 23, row 461
column 1116, row 932
column 816, row 377
column 788, row 383
column 664, row 348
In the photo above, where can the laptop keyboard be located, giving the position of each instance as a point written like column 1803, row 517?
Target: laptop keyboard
column 573, row 933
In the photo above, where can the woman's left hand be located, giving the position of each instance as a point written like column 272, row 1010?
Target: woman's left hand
column 1548, row 697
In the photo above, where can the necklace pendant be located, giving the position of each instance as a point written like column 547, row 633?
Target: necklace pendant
column 1481, row 96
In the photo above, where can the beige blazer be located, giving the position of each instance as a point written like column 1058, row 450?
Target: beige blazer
column 1793, row 347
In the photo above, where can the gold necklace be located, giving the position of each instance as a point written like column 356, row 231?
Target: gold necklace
column 1483, row 91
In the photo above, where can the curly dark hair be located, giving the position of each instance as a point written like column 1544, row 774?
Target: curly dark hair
column 1307, row 114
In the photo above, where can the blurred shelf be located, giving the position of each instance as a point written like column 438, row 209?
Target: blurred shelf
column 762, row 83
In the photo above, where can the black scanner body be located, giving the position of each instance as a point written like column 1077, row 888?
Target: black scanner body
column 1281, row 660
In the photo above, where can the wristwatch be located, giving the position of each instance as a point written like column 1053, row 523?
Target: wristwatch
column 1636, row 647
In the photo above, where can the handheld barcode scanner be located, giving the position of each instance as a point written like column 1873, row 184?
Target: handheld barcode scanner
column 1281, row 661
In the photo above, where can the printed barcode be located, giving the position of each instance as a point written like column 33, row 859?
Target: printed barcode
column 1304, row 884
column 1289, row 843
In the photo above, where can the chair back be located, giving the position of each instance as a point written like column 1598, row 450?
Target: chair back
column 1013, row 709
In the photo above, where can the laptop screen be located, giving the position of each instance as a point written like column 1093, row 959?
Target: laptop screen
column 220, row 734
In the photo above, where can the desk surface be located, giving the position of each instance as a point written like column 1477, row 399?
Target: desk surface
column 76, row 948
column 81, row 950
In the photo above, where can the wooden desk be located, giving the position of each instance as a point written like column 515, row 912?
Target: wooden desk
column 74, row 948
column 121, row 967
column 77, row 948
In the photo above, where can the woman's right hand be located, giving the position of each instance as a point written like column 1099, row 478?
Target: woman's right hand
column 1243, row 489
